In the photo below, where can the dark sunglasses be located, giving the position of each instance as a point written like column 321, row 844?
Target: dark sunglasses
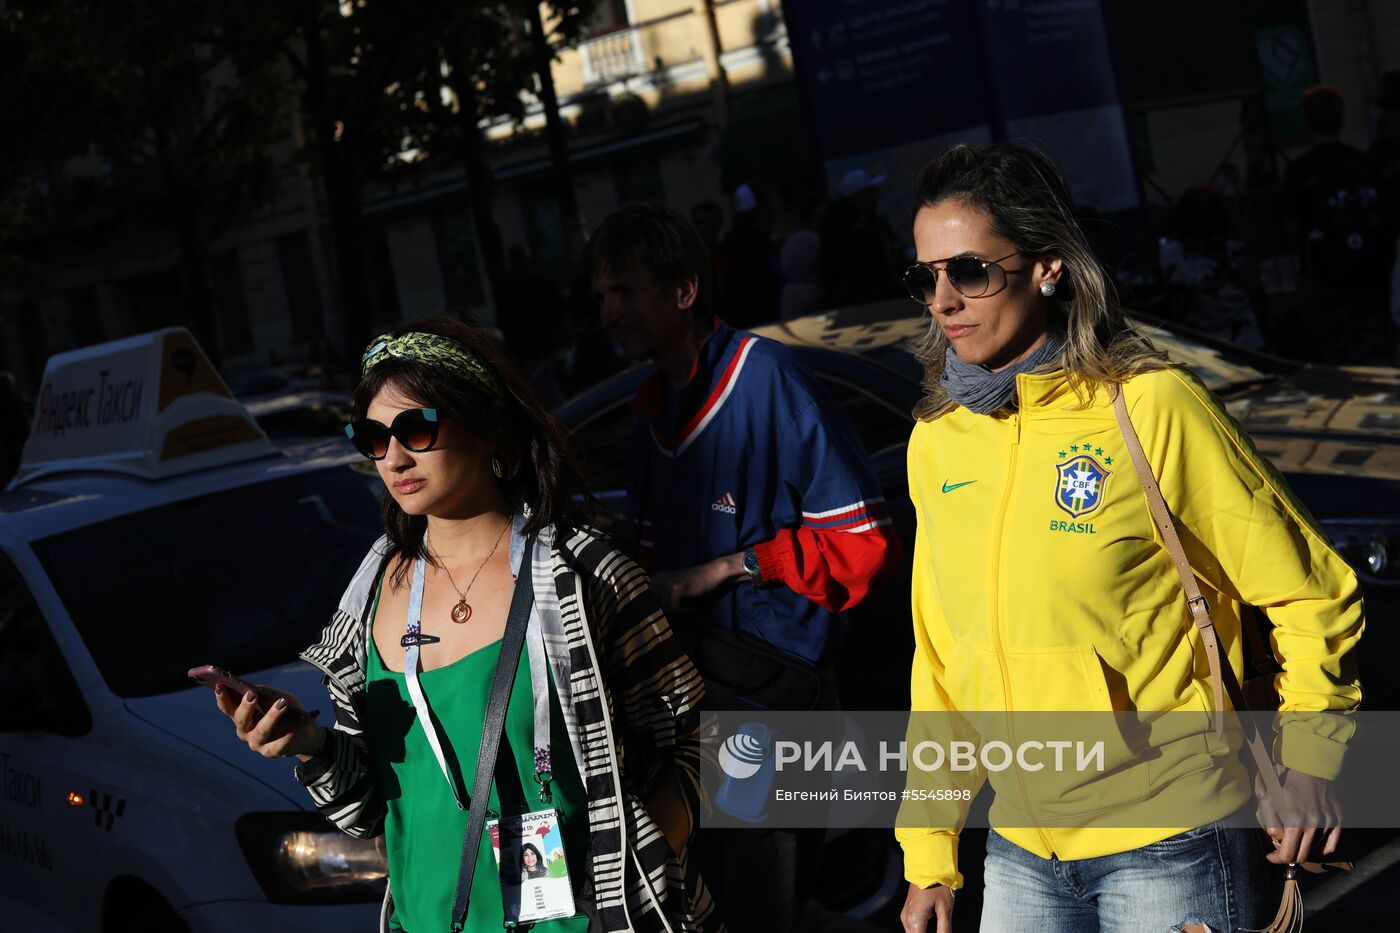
column 416, row 429
column 972, row 277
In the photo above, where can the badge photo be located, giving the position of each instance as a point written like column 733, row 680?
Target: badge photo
column 529, row 851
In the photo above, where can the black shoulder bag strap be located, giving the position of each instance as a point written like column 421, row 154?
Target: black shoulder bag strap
column 495, row 721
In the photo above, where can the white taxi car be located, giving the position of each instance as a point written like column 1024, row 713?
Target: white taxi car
column 152, row 528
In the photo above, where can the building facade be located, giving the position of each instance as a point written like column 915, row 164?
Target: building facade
column 670, row 100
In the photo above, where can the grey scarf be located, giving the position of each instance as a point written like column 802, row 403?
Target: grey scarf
column 980, row 390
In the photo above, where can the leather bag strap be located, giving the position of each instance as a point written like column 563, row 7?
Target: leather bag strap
column 1222, row 674
column 492, row 726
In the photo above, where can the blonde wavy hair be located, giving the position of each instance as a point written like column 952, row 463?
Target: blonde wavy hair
column 1023, row 193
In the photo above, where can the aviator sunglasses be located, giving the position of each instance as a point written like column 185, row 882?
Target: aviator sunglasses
column 416, row 429
column 972, row 277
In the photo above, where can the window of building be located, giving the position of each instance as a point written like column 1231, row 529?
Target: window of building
column 231, row 303
column 381, row 269
column 299, row 280
column 639, row 181
column 544, row 224
column 610, row 16
column 461, row 272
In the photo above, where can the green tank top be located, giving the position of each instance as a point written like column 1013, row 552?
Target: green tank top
column 424, row 829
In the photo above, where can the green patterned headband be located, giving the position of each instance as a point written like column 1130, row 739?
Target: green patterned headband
column 432, row 350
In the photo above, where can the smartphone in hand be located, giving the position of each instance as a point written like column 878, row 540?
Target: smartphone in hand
column 210, row 676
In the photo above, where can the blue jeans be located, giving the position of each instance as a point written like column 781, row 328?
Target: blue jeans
column 1211, row 875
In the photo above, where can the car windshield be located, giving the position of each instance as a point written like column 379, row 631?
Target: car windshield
column 243, row 579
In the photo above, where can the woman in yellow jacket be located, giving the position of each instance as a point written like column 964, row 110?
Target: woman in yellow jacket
column 1041, row 584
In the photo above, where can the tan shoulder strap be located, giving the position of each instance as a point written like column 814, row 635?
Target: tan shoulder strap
column 1221, row 674
column 1200, row 609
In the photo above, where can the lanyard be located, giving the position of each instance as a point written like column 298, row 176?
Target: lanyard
column 539, row 677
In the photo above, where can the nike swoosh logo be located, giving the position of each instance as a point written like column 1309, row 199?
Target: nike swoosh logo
column 950, row 488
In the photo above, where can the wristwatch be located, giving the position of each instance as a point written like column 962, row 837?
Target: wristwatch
column 751, row 567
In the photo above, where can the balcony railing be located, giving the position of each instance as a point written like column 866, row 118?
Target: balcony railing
column 612, row 57
column 671, row 46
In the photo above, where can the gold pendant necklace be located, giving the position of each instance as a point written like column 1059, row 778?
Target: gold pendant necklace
column 463, row 610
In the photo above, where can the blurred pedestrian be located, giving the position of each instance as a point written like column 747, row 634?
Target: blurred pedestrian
column 1346, row 245
column 1204, row 269
column 750, row 276
column 859, row 261
column 802, row 291
column 1385, row 152
column 757, row 510
column 708, row 218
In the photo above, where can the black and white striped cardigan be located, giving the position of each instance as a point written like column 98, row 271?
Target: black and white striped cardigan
column 630, row 698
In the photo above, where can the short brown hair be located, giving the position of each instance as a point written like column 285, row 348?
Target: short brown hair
column 666, row 244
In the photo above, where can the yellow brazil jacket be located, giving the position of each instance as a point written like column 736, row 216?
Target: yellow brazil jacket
column 1036, row 591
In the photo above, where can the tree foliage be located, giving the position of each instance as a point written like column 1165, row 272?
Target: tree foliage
column 135, row 117
column 175, row 117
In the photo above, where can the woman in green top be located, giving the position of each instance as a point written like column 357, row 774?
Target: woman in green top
column 474, row 469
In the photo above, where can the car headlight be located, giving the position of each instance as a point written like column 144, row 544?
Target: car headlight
column 301, row 858
column 1371, row 546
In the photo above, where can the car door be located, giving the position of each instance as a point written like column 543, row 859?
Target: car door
column 41, row 710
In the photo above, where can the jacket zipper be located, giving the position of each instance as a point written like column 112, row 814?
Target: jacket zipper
column 997, row 617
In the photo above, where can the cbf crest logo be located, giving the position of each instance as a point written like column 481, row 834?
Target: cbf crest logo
column 1079, row 489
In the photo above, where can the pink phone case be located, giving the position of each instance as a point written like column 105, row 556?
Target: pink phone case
column 211, row 676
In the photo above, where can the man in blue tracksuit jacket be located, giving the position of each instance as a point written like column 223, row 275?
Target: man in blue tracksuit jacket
column 760, row 517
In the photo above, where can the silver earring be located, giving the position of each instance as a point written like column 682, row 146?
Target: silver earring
column 1047, row 289
column 497, row 467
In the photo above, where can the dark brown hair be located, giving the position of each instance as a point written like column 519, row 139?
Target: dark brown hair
column 541, row 470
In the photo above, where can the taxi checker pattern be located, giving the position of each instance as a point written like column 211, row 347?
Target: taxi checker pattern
column 107, row 809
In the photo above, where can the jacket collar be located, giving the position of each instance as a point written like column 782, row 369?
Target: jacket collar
column 1045, row 391
column 683, row 414
column 653, row 397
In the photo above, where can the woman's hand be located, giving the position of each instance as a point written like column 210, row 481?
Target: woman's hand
column 928, row 910
column 1310, row 805
column 285, row 730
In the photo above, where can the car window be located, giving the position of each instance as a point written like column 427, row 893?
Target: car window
column 880, row 424
column 898, row 358
column 297, row 423
column 243, row 579
column 34, row 679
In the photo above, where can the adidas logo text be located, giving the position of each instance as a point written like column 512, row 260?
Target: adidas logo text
column 725, row 504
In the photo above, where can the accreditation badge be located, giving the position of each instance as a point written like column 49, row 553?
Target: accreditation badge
column 529, row 851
